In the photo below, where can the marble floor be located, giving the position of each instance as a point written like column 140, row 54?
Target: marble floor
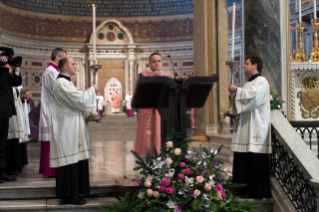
column 111, row 156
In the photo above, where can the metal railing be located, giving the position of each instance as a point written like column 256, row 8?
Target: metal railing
column 291, row 177
column 310, row 128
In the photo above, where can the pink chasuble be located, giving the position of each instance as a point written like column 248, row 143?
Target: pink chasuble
column 116, row 100
column 149, row 128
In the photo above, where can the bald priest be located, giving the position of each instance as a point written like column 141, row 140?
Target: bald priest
column 70, row 147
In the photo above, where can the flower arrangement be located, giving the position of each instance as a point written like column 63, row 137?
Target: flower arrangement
column 275, row 103
column 185, row 180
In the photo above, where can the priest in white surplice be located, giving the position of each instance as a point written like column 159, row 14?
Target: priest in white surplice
column 70, row 146
column 251, row 141
column 48, row 79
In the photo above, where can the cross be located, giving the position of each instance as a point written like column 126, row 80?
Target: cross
column 80, row 145
column 257, row 136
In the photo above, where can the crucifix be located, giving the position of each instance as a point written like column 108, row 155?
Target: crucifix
column 256, row 137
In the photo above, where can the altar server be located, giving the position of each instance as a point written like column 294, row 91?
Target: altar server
column 251, row 142
column 128, row 99
column 70, row 145
column 48, row 79
column 17, row 134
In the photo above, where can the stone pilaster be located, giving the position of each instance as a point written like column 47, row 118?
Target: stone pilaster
column 263, row 38
column 210, row 55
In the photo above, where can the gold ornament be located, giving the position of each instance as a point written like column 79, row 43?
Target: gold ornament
column 309, row 98
column 300, row 56
column 314, row 55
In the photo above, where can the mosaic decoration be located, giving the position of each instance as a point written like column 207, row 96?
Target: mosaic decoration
column 79, row 31
column 118, row 8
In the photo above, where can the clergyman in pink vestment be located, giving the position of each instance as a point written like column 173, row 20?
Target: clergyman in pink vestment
column 149, row 120
column 49, row 76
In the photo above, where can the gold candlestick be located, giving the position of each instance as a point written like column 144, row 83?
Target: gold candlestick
column 291, row 58
column 314, row 55
column 300, row 56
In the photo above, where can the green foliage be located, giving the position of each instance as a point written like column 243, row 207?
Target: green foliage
column 275, row 103
column 167, row 165
column 127, row 204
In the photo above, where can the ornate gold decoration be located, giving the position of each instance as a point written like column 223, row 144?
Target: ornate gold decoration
column 314, row 55
column 300, row 56
column 309, row 98
column 291, row 58
column 310, row 82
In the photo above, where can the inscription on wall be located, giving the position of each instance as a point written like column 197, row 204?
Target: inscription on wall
column 116, row 8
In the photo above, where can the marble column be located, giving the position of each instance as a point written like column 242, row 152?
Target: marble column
column 210, row 55
column 262, row 38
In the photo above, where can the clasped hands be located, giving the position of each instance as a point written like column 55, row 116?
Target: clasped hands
column 232, row 88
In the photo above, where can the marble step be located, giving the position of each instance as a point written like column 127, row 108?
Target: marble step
column 53, row 205
column 45, row 188
column 265, row 205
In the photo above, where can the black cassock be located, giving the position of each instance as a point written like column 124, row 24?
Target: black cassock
column 73, row 180
column 252, row 169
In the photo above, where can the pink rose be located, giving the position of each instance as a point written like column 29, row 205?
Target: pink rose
column 166, row 181
column 169, row 190
column 182, row 164
column 207, row 187
column 224, row 195
column 181, row 176
column 219, row 186
column 270, row 87
column 169, row 144
column 147, row 183
column 187, row 171
column 168, row 161
column 162, row 188
column 155, row 194
column 149, row 192
column 216, row 189
column 197, row 192
column 199, row 179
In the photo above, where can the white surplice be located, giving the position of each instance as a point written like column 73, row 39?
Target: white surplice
column 26, row 111
column 70, row 137
column 17, row 127
column 128, row 100
column 253, row 127
column 49, row 77
column 100, row 100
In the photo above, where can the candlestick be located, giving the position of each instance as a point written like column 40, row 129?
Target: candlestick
column 233, row 32
column 94, row 36
column 299, row 11
column 291, row 58
column 231, row 111
column 315, row 8
column 300, row 56
column 314, row 55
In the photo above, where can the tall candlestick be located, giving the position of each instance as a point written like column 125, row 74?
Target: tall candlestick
column 299, row 11
column 315, row 9
column 233, row 32
column 94, row 36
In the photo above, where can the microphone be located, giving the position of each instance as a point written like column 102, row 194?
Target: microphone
column 175, row 74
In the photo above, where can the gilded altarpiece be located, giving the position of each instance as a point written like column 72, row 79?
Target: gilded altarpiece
column 304, row 91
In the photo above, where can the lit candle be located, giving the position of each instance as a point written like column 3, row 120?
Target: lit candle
column 94, row 36
column 233, row 32
column 315, row 9
column 299, row 11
